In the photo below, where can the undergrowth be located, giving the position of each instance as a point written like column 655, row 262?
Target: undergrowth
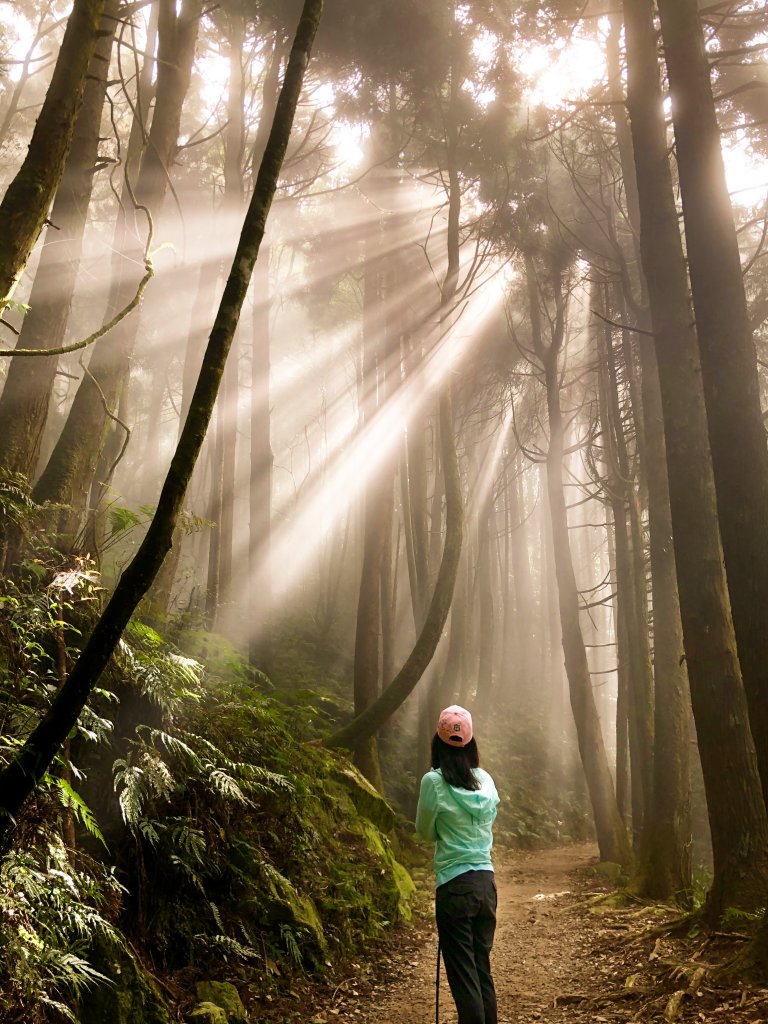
column 185, row 818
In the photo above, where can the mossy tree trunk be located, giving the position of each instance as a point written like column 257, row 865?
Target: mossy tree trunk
column 27, row 200
column 20, row 777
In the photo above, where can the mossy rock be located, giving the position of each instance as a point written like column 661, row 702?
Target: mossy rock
column 611, row 872
column 131, row 998
column 397, row 882
column 368, row 801
column 284, row 904
column 224, row 996
column 207, row 1013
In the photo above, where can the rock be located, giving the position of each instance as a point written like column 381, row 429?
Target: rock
column 611, row 872
column 132, row 998
column 223, row 996
column 368, row 801
column 207, row 1013
column 289, row 906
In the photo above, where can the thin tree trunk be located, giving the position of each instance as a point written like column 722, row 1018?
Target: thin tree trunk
column 622, row 675
column 485, row 586
column 375, row 523
column 261, row 457
column 611, row 834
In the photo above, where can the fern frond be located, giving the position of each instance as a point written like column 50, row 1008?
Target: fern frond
column 74, row 802
column 226, row 786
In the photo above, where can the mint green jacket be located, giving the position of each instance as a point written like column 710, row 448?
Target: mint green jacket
column 459, row 822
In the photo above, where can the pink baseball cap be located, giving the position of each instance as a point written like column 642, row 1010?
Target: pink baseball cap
column 454, row 726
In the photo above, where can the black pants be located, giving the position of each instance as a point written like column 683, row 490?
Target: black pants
column 466, row 921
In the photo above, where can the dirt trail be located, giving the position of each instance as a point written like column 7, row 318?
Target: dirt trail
column 537, row 953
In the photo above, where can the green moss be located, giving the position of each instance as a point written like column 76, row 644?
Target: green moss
column 368, row 801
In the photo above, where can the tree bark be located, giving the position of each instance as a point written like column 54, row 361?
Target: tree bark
column 20, row 777
column 736, row 810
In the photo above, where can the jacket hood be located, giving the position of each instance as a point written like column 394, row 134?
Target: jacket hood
column 479, row 803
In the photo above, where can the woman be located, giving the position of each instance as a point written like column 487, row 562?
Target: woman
column 457, row 807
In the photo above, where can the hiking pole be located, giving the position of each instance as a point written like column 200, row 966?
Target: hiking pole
column 437, row 986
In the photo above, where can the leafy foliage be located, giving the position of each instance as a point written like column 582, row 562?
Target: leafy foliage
column 215, row 800
column 49, row 912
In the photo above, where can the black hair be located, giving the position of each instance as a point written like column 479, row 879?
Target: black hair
column 456, row 763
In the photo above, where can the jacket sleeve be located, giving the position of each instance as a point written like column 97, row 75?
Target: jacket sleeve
column 426, row 812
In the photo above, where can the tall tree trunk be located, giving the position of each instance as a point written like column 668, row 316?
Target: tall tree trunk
column 630, row 585
column 25, row 204
column 736, row 810
column 19, row 778
column 728, row 357
column 622, row 674
column 485, row 579
column 260, row 479
column 664, row 870
column 215, row 503
column 26, row 395
column 611, row 834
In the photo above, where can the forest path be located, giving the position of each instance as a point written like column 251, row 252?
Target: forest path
column 562, row 955
column 536, row 953
column 540, row 952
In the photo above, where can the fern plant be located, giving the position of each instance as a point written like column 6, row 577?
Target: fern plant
column 49, row 912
